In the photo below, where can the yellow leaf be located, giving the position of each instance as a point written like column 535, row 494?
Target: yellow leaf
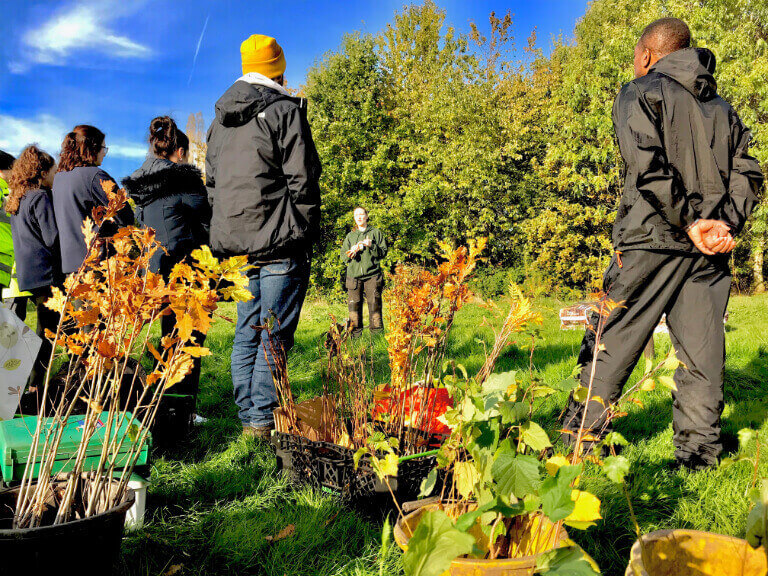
column 89, row 231
column 56, row 301
column 586, row 511
column 205, row 259
column 185, row 326
column 196, row 351
column 553, row 464
column 668, row 381
column 155, row 353
column 386, row 466
column 648, row 385
column 181, row 366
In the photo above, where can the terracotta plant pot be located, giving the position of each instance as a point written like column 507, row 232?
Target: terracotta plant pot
column 694, row 553
column 524, row 566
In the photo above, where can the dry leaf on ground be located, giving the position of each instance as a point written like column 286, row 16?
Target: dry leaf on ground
column 284, row 533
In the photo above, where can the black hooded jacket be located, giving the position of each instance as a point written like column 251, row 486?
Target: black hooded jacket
column 685, row 153
column 262, row 172
column 170, row 198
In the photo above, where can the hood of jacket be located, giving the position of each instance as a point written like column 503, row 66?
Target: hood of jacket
column 160, row 177
column 693, row 68
column 243, row 101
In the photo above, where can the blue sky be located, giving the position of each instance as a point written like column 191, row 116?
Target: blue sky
column 118, row 63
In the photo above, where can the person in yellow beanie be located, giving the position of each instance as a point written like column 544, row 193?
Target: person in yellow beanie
column 263, row 55
column 262, row 172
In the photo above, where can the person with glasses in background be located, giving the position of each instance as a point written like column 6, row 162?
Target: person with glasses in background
column 78, row 188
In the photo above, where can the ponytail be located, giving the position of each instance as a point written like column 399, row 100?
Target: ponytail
column 165, row 138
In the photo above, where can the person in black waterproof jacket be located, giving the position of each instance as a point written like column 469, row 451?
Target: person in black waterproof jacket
column 262, row 172
column 78, row 188
column 690, row 185
column 170, row 197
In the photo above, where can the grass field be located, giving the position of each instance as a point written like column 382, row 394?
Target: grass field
column 214, row 499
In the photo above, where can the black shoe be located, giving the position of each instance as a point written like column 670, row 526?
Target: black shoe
column 694, row 463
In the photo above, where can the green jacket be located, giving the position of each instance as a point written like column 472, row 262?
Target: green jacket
column 366, row 262
column 6, row 240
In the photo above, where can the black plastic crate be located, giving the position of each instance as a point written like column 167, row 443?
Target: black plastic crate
column 331, row 467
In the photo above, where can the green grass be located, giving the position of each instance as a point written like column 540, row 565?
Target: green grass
column 214, row 499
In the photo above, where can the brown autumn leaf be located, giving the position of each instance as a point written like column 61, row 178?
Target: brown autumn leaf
column 284, row 533
column 175, row 569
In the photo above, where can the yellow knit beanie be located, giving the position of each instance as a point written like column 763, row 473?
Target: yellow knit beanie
column 262, row 54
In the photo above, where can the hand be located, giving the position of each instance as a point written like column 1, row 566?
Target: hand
column 711, row 237
column 367, row 242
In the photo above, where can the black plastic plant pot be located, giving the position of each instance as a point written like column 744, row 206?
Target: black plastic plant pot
column 86, row 546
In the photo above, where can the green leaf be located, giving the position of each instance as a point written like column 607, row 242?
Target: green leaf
column 499, row 383
column 495, row 506
column 133, row 432
column 435, row 544
column 648, row 366
column 616, row 468
column 580, row 394
column 535, row 437
column 542, row 391
column 512, row 412
column 567, row 385
column 614, row 439
column 569, row 561
column 746, row 436
column 428, row 484
column 516, row 474
column 359, row 454
column 386, row 540
column 556, row 502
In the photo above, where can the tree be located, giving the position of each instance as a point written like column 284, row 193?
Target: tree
column 197, row 144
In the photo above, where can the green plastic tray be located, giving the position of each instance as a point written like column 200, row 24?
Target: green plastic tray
column 16, row 439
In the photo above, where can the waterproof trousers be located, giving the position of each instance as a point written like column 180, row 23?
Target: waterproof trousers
column 692, row 290
column 371, row 289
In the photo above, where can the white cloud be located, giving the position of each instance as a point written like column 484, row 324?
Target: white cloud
column 128, row 150
column 48, row 131
column 44, row 129
column 83, row 26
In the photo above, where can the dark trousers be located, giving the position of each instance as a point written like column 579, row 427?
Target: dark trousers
column 370, row 289
column 693, row 292
column 46, row 318
column 191, row 382
column 18, row 306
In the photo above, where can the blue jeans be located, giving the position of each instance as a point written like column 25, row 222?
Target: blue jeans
column 278, row 292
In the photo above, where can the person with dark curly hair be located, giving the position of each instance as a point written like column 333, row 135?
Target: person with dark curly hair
column 78, row 188
column 36, row 239
column 171, row 198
